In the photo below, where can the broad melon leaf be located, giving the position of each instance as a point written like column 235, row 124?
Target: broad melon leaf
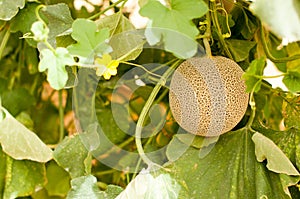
column 86, row 187
column 23, row 178
column 230, row 170
column 277, row 160
column 173, row 25
column 147, row 186
column 91, row 42
column 240, row 48
column 9, row 9
column 126, row 42
column 20, row 143
column 60, row 20
column 23, row 21
column 285, row 23
column 58, row 180
column 72, row 155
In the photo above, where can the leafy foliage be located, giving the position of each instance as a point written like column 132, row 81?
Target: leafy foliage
column 173, row 25
column 59, row 61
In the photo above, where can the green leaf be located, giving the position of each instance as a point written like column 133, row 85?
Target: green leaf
column 125, row 41
column 230, row 170
column 91, row 42
column 291, row 112
column 277, row 160
column 84, row 187
column 173, row 25
column 21, row 143
column 288, row 141
column 58, row 180
column 14, row 101
column 146, row 185
column 40, row 31
column 292, row 81
column 286, row 23
column 72, row 155
column 23, row 21
column 55, row 63
column 9, row 9
column 23, row 178
column 240, row 48
column 2, row 170
column 255, row 69
column 59, row 20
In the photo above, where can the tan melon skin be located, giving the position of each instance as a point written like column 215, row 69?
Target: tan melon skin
column 207, row 95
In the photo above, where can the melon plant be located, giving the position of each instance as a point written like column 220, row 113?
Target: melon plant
column 149, row 99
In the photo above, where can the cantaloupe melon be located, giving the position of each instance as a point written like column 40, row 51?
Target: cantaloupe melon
column 207, row 95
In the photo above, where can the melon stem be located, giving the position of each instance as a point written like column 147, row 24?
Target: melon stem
column 145, row 110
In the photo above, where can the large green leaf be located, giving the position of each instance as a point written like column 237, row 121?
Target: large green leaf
column 72, row 155
column 86, row 187
column 8, row 8
column 126, row 42
column 58, row 180
column 59, row 20
column 14, row 101
column 23, row 178
column 240, row 48
column 23, row 21
column 230, row 170
column 291, row 112
column 173, row 25
column 21, row 143
column 285, row 23
column 91, row 42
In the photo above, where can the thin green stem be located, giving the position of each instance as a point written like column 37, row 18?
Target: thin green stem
column 146, row 108
column 106, row 9
column 61, row 116
column 101, row 173
column 217, row 25
column 253, row 107
column 37, row 14
column 4, row 42
column 140, row 66
column 269, row 54
column 270, row 77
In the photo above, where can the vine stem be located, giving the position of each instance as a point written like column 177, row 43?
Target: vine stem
column 217, row 25
column 61, row 116
column 207, row 35
column 106, row 9
column 253, row 107
column 146, row 108
column 4, row 41
column 269, row 54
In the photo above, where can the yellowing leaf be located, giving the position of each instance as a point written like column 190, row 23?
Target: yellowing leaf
column 20, row 143
column 277, row 160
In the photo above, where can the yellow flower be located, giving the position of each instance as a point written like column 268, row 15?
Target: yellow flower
column 106, row 67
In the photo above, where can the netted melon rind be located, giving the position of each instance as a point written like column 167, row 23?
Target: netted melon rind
column 207, row 95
